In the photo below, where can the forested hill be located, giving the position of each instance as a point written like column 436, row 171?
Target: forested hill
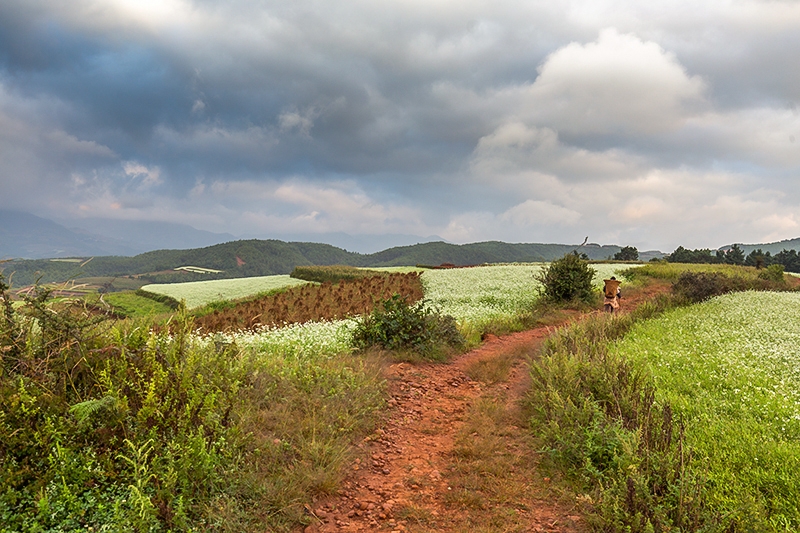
column 436, row 253
column 771, row 247
column 266, row 257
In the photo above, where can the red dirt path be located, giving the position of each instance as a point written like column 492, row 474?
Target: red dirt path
column 408, row 463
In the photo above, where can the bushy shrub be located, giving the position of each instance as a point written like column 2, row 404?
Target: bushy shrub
column 699, row 286
column 568, row 279
column 396, row 325
column 772, row 273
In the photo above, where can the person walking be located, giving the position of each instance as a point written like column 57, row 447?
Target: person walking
column 612, row 294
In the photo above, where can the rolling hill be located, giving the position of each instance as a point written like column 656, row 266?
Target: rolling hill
column 247, row 258
column 771, row 247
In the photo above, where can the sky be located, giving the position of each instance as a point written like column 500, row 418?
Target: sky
column 649, row 124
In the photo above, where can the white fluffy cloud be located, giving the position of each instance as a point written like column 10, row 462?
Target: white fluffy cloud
column 617, row 84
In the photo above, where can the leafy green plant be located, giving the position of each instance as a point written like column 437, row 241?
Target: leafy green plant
column 772, row 273
column 597, row 416
column 568, row 279
column 396, row 325
column 113, row 426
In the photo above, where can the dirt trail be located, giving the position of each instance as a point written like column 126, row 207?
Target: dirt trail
column 404, row 479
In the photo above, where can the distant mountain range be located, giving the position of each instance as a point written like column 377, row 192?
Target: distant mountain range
column 153, row 250
column 27, row 236
column 247, row 258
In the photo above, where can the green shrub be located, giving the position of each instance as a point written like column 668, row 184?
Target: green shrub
column 568, row 279
column 699, row 286
column 396, row 325
column 115, row 427
column 772, row 273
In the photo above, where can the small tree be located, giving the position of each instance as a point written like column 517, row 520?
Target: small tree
column 734, row 256
column 628, row 253
column 568, row 279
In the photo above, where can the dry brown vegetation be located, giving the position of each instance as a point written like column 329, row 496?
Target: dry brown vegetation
column 314, row 302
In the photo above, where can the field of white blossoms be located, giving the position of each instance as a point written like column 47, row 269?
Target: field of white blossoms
column 199, row 293
column 731, row 368
column 474, row 296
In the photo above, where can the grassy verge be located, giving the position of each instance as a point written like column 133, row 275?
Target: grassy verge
column 637, row 453
column 110, row 426
column 131, row 304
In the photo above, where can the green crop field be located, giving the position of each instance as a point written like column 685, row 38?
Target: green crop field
column 199, row 293
column 129, row 304
column 730, row 368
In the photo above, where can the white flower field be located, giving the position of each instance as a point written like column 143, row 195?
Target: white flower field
column 730, row 367
column 481, row 294
column 199, row 293
column 474, row 296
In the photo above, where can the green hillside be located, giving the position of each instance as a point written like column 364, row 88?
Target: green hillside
column 771, row 247
column 249, row 258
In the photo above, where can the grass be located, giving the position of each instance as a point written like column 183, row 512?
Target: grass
column 115, row 427
column 683, row 421
column 495, row 477
column 671, row 271
column 129, row 304
column 729, row 368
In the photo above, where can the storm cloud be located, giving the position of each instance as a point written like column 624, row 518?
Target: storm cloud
column 651, row 124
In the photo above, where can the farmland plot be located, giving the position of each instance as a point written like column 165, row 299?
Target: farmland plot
column 198, row 293
column 306, row 341
column 482, row 294
column 496, row 292
column 731, row 368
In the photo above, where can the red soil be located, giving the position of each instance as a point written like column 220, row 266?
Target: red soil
column 409, row 461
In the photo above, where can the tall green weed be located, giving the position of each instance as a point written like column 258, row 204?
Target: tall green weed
column 596, row 415
column 114, row 426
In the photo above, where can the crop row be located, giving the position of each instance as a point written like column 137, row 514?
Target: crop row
column 313, row 302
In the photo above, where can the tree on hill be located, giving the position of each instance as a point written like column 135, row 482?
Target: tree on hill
column 758, row 259
column 682, row 255
column 628, row 253
column 734, row 256
column 790, row 260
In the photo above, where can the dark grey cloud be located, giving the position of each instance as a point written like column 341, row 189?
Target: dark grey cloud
column 463, row 119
